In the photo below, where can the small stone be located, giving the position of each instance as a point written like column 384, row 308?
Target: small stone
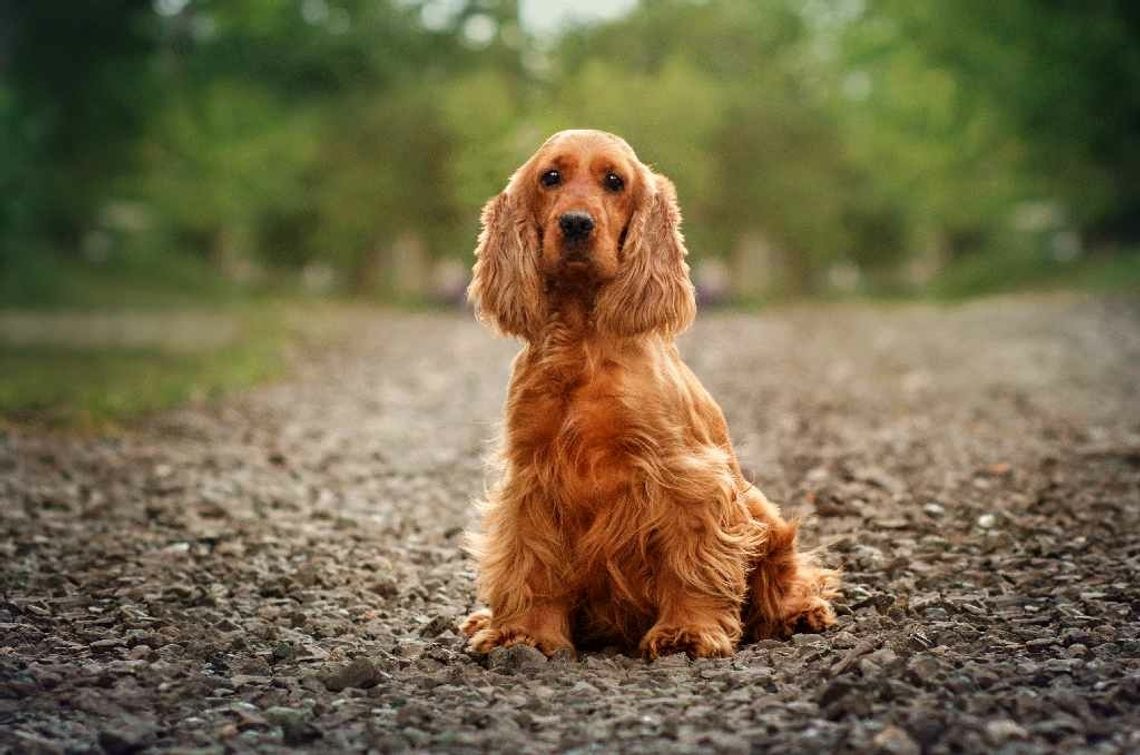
column 516, row 658
column 126, row 736
column 935, row 543
column 418, row 737
column 1077, row 650
column 840, row 697
column 170, row 651
column 894, row 741
column 312, row 652
column 673, row 660
column 140, row 652
column 279, row 715
column 883, row 657
column 868, row 556
column 437, row 626
column 923, row 667
column 926, row 727
column 410, row 649
column 106, row 644
column 283, row 651
column 987, row 521
column 1002, row 730
column 934, row 509
column 385, row 587
column 564, row 655
column 844, row 640
column 1075, row 635
column 413, row 714
column 836, row 692
column 817, row 475
column 248, row 680
column 583, row 690
column 361, row 673
column 807, row 639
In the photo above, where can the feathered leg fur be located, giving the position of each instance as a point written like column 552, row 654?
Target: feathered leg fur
column 789, row 591
column 522, row 564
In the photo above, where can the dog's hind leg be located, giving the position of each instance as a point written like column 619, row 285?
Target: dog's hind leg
column 789, row 590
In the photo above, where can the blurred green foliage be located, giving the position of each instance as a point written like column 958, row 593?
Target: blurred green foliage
column 207, row 147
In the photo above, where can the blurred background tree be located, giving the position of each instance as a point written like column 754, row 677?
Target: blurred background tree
column 180, row 149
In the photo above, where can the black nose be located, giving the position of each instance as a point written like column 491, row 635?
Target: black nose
column 576, row 225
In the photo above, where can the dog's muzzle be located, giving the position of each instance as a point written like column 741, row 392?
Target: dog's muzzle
column 576, row 226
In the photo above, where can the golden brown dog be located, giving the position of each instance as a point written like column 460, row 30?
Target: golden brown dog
column 621, row 514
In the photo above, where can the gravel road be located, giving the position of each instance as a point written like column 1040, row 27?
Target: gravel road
column 283, row 571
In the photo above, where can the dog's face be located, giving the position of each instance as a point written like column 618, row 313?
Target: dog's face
column 585, row 186
column 583, row 215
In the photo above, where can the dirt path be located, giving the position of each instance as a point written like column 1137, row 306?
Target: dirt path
column 203, row 582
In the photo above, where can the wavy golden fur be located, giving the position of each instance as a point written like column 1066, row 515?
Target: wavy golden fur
column 621, row 514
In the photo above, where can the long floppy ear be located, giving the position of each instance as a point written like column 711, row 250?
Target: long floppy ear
column 506, row 287
column 652, row 291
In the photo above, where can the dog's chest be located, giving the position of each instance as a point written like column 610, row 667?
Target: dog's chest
column 576, row 426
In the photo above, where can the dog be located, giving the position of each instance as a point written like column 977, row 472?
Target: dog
column 621, row 515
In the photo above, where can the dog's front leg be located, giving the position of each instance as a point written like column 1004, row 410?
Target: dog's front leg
column 544, row 625
column 703, row 549
column 522, row 565
column 703, row 626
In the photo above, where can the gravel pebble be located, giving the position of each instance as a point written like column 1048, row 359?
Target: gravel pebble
column 516, row 659
column 128, row 735
column 894, row 741
column 361, row 673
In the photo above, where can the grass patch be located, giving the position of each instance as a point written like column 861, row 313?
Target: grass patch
column 101, row 386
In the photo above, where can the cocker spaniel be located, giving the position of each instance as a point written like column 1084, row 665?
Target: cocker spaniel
column 621, row 515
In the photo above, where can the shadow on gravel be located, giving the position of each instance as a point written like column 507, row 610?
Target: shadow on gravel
column 284, row 571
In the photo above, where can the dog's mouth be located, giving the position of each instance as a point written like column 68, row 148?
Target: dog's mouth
column 576, row 256
column 576, row 259
column 575, row 249
column 575, row 271
column 576, row 268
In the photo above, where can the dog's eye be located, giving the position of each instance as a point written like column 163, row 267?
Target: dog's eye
column 613, row 182
column 551, row 178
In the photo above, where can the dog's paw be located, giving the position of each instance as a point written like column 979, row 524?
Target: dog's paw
column 696, row 641
column 488, row 638
column 815, row 615
column 804, row 606
column 811, row 614
column 812, row 611
column 477, row 621
column 485, row 637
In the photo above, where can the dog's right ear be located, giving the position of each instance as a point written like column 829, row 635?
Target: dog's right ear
column 506, row 287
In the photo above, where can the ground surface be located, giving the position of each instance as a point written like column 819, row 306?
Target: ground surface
column 284, row 571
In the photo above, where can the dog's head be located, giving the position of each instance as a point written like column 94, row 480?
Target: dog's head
column 583, row 217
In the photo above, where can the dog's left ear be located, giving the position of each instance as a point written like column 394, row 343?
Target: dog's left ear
column 652, row 291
